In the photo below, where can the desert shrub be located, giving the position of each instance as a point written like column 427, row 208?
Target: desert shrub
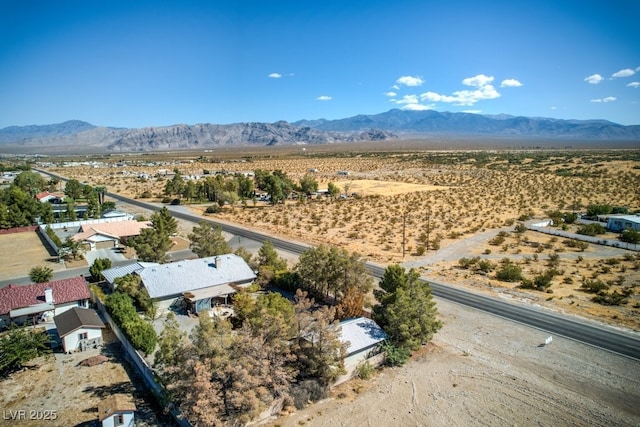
column 40, row 274
column 146, row 195
column 613, row 298
column 509, row 273
column 213, row 209
column 166, row 200
column 630, row 236
column 485, row 266
column 594, row 286
column 591, row 230
column 307, row 391
column 365, row 371
column 520, row 228
column 497, row 241
column 395, row 356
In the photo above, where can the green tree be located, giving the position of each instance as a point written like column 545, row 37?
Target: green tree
column 40, row 274
column 164, row 222
column 21, row 345
column 175, row 186
column 30, row 182
column 308, row 184
column 405, row 310
column 595, row 210
column 73, row 247
column 268, row 257
column 98, row 266
column 330, row 272
column 73, row 189
column 207, row 240
column 333, row 190
column 151, row 245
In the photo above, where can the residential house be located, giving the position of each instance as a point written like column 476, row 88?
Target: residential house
column 41, row 301
column 111, row 274
column 619, row 223
column 198, row 283
column 116, row 410
column 45, row 197
column 79, row 328
column 109, row 234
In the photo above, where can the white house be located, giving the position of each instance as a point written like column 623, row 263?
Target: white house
column 199, row 283
column 79, row 329
column 41, row 301
column 619, row 223
column 117, row 410
column 364, row 338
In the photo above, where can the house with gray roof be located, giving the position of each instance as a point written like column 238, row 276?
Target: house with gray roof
column 111, row 274
column 197, row 283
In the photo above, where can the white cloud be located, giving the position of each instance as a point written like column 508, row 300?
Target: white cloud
column 472, row 111
column 634, row 84
column 463, row 97
column 324, row 98
column 395, row 87
column 407, row 99
column 410, row 81
column 594, row 79
column 477, row 81
column 627, row 72
column 607, row 99
column 275, row 75
column 417, row 107
column 554, row 107
column 510, row 83
column 391, row 94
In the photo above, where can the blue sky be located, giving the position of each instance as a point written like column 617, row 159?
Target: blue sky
column 152, row 63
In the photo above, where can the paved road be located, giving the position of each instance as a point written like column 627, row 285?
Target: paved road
column 607, row 338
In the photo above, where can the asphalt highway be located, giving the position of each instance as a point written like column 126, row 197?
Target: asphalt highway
column 601, row 336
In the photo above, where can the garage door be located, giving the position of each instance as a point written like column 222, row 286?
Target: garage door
column 104, row 245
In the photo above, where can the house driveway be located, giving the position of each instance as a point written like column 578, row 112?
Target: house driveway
column 110, row 253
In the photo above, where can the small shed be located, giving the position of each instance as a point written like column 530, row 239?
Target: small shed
column 364, row 338
column 117, row 410
column 79, row 328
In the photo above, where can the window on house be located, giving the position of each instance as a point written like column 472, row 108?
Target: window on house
column 118, row 420
column 83, row 336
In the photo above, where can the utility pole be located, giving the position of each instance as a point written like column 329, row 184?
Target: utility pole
column 428, row 226
column 404, row 231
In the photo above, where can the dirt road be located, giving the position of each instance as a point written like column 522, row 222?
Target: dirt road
column 483, row 370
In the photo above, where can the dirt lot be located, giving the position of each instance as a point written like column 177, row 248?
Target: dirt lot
column 483, row 370
column 60, row 384
column 20, row 252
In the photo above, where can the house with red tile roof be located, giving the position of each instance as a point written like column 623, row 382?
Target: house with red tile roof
column 45, row 196
column 41, row 301
column 109, row 234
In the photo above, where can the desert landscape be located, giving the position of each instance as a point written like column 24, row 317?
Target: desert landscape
column 449, row 205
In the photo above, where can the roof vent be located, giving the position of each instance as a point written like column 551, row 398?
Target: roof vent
column 48, row 295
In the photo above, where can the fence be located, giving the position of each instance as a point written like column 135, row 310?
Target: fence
column 140, row 364
column 71, row 224
column 18, row 229
column 590, row 239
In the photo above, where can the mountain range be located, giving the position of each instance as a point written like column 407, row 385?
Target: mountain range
column 79, row 136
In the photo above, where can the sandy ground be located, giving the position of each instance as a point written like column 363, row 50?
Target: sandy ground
column 20, row 252
column 59, row 384
column 484, row 370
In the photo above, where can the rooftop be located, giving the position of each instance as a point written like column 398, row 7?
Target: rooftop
column 111, row 274
column 112, row 229
column 75, row 319
column 183, row 276
column 67, row 290
column 114, row 404
column 361, row 333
